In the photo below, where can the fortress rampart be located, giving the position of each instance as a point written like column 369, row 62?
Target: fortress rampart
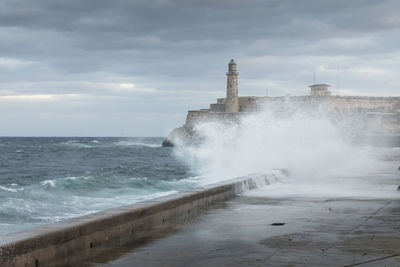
column 195, row 116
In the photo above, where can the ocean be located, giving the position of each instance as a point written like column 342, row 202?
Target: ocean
column 49, row 179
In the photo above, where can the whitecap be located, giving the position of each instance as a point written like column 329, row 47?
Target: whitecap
column 191, row 178
column 138, row 178
column 79, row 145
column 159, row 194
column 8, row 189
column 123, row 200
column 130, row 143
column 73, row 178
column 76, row 143
column 50, row 183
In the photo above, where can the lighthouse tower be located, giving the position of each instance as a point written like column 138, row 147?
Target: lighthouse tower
column 232, row 100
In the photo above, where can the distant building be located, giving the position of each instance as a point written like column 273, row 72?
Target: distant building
column 319, row 90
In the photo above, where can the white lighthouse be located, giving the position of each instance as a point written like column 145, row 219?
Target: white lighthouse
column 232, row 100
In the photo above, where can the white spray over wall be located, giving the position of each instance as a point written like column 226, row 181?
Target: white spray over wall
column 306, row 143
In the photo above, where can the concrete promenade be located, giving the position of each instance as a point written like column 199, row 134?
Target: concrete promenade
column 253, row 230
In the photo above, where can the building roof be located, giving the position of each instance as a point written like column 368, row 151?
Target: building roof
column 319, row 85
column 232, row 62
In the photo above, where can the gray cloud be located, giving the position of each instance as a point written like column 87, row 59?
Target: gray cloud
column 78, row 53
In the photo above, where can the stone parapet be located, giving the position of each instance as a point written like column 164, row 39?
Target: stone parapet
column 217, row 107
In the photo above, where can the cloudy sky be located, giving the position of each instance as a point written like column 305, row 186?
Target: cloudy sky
column 134, row 67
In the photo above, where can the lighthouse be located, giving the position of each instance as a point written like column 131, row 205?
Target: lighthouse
column 232, row 100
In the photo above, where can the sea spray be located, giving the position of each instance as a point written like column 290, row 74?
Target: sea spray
column 309, row 144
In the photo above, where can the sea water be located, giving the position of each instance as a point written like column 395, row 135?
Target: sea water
column 45, row 179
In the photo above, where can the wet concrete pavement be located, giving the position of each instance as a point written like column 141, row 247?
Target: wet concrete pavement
column 310, row 232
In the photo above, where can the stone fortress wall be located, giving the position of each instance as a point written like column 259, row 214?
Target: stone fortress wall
column 383, row 106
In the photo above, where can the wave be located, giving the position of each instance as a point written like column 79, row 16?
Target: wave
column 62, row 198
column 89, row 185
column 62, row 181
column 72, row 178
column 138, row 178
column 77, row 144
column 132, row 143
column 8, row 189
column 98, row 144
column 50, row 183
column 124, row 200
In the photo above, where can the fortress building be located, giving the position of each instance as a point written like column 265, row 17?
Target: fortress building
column 382, row 111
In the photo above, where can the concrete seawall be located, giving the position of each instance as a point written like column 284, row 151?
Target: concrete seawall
column 80, row 238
